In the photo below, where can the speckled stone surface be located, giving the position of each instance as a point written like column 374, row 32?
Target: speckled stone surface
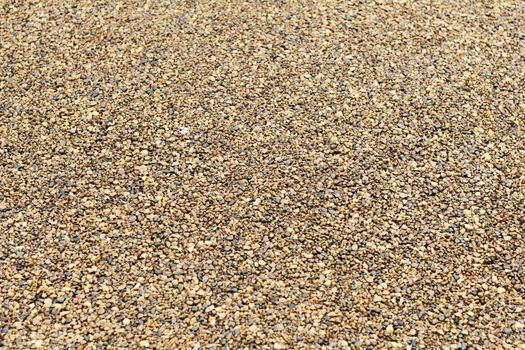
column 262, row 175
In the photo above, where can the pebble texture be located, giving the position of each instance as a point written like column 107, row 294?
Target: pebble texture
column 262, row 174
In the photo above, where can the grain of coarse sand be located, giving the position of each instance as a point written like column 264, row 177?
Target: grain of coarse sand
column 262, row 174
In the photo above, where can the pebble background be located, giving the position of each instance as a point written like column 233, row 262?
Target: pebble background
column 262, row 174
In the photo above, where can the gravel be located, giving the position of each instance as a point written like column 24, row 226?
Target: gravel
column 262, row 175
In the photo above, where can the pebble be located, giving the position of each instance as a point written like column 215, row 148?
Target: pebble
column 262, row 175
column 389, row 330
